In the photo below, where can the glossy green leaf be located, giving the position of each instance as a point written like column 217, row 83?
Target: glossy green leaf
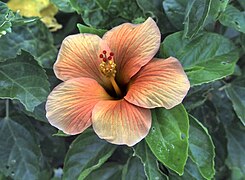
column 90, row 12
column 19, row 157
column 85, row 29
column 154, row 9
column 103, row 4
column 108, row 16
column 201, row 148
column 23, row 79
column 149, row 161
column 53, row 148
column 175, row 10
column 191, row 172
column 236, row 148
column 217, row 7
column 87, row 153
column 63, row 5
column 133, row 170
column 39, row 112
column 206, row 58
column 195, row 17
column 197, row 96
column 168, row 137
column 222, row 104
column 236, row 93
column 33, row 37
column 234, row 18
column 107, row 171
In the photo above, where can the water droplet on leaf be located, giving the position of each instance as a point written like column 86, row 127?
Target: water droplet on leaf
column 183, row 136
column 13, row 161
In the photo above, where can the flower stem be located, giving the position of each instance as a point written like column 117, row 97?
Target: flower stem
column 115, row 86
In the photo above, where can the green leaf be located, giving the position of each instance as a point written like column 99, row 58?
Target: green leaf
column 61, row 133
column 201, row 148
column 168, row 137
column 63, row 5
column 197, row 96
column 149, row 161
column 111, row 171
column 222, row 104
column 234, row 18
column 87, row 153
column 85, row 29
column 23, row 79
column 175, row 10
column 33, row 37
column 104, row 4
column 108, row 16
column 236, row 92
column 217, row 7
column 195, row 17
column 154, row 10
column 206, row 58
column 133, row 170
column 191, row 172
column 19, row 157
column 236, row 148
column 53, row 148
column 39, row 112
column 107, row 171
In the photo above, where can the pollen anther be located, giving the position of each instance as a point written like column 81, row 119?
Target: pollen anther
column 107, row 66
column 108, row 69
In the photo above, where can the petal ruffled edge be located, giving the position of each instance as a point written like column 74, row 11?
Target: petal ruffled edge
column 120, row 122
column 69, row 106
column 161, row 83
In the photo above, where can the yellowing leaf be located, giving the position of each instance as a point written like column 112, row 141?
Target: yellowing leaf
column 40, row 8
column 47, row 15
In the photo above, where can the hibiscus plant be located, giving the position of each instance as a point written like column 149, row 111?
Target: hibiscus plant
column 113, row 89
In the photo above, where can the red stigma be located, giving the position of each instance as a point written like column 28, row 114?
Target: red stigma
column 104, row 59
column 111, row 54
column 101, row 55
column 104, row 52
column 109, row 58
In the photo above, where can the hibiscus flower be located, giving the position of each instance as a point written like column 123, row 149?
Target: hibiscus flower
column 112, row 83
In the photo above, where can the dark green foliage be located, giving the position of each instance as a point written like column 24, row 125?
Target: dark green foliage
column 203, row 138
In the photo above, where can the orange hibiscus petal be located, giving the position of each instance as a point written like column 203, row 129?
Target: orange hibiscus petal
column 69, row 106
column 120, row 122
column 79, row 57
column 161, row 83
column 133, row 47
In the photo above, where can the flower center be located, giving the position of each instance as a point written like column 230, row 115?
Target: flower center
column 108, row 69
column 107, row 66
